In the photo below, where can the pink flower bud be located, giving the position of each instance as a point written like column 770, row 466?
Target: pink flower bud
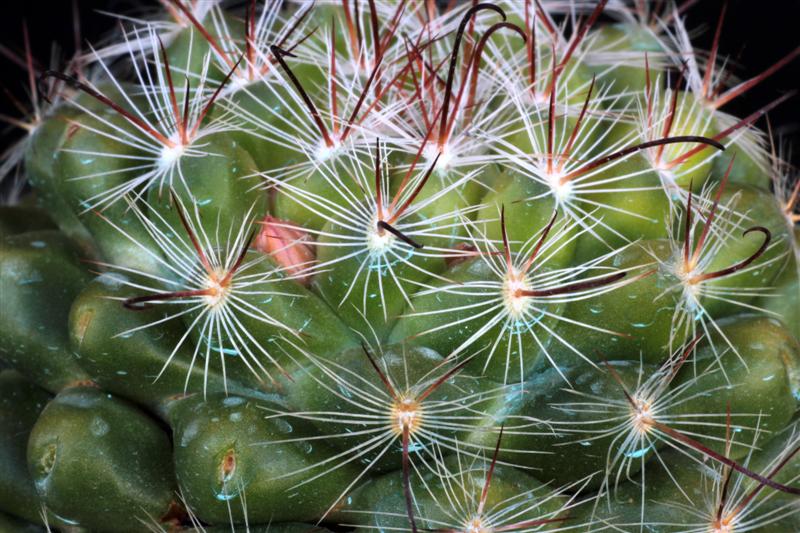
column 288, row 245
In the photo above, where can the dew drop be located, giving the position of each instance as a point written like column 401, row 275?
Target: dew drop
column 636, row 454
column 596, row 308
column 282, row 425
column 98, row 427
column 233, row 401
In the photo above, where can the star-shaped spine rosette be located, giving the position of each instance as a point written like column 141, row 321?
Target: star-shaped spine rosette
column 670, row 111
column 468, row 493
column 550, row 62
column 160, row 125
column 641, row 29
column 707, row 77
column 508, row 303
column 374, row 245
column 730, row 501
column 315, row 125
column 215, row 289
column 700, row 233
column 712, row 84
column 447, row 109
column 584, row 158
column 659, row 413
column 410, row 403
column 492, row 196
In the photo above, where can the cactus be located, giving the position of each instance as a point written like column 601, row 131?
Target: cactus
column 442, row 266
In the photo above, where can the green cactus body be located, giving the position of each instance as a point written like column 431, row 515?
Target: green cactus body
column 227, row 447
column 629, row 74
column 87, row 173
column 640, row 316
column 127, row 358
column 538, row 414
column 439, row 502
column 20, row 405
column 10, row 524
column 98, row 461
column 770, row 368
column 40, row 267
column 462, row 267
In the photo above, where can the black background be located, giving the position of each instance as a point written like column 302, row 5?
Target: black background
column 756, row 33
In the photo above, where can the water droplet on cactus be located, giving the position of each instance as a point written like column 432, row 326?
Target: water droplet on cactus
column 99, row 427
column 283, row 426
column 233, row 401
column 636, row 454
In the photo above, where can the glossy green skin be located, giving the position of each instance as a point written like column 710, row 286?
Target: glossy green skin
column 187, row 53
column 410, row 328
column 107, row 171
column 667, row 510
column 532, row 136
column 766, row 381
column 524, row 216
column 465, row 195
column 450, row 208
column 785, row 302
column 40, row 275
column 21, row 219
column 764, row 460
column 762, row 210
column 312, row 326
column 750, row 169
column 622, row 311
column 271, row 102
column 380, row 503
column 623, row 507
column 627, row 38
column 410, row 369
column 354, row 276
column 221, row 184
column 41, row 162
column 691, row 120
column 253, row 99
column 564, row 451
column 129, row 365
column 223, row 455
column 20, row 405
column 573, row 79
column 633, row 214
column 332, row 182
column 100, row 462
